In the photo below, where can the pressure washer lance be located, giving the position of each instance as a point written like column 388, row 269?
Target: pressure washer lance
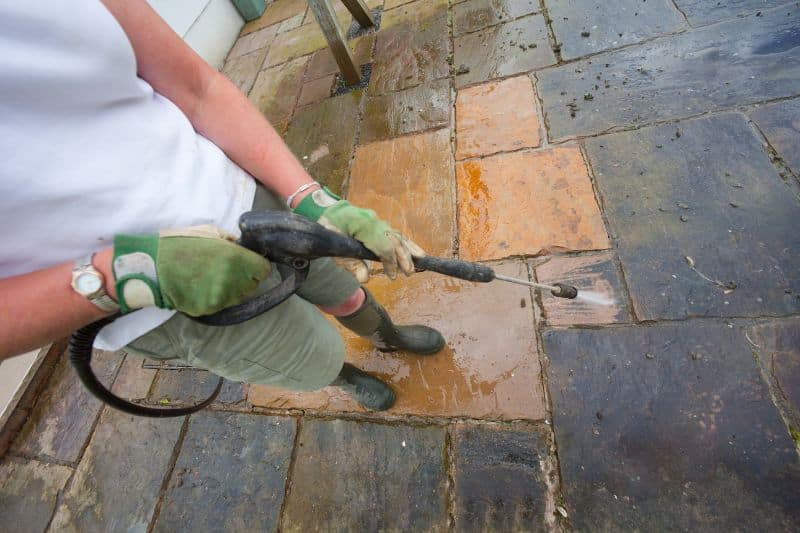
column 291, row 242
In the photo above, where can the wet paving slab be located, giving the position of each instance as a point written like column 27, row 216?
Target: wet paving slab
column 62, row 419
column 595, row 276
column 486, row 124
column 498, row 51
column 242, row 71
column 117, row 483
column 322, row 137
column 275, row 91
column 28, row 493
column 499, row 483
column 413, row 46
column 408, row 181
column 584, row 27
column 295, row 43
column 133, row 380
column 702, row 12
column 554, row 205
column 323, row 64
column 703, row 70
column 251, row 42
column 780, row 124
column 474, row 15
column 315, row 90
column 377, row 478
column 276, row 12
column 703, row 224
column 231, row 469
column 657, row 427
column 489, row 368
column 423, row 107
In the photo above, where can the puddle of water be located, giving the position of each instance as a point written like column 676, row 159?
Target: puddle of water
column 594, row 298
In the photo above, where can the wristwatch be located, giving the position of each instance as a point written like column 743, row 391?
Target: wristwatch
column 89, row 283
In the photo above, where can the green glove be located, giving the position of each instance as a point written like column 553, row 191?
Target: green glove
column 196, row 270
column 394, row 250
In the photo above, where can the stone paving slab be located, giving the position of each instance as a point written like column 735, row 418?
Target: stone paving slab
column 376, row 478
column 117, row 483
column 230, row 474
column 487, row 123
column 295, row 43
column 780, row 123
column 253, row 41
column 181, row 387
column 669, row 428
column 323, row 64
column 499, row 484
column 28, row 493
column 701, row 12
column 133, row 380
column 596, row 273
column 707, row 69
column 322, row 137
column 474, row 15
column 514, row 47
column 276, row 89
column 408, row 181
column 242, row 71
column 527, row 203
column 710, row 194
column 276, row 12
column 423, row 107
column 315, row 90
column 65, row 412
column 584, row 27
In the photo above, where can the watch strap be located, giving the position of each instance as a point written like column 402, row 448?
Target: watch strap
column 99, row 298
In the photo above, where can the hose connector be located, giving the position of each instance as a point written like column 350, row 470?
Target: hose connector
column 562, row 290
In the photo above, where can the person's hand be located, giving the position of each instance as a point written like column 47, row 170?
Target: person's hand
column 197, row 270
column 394, row 250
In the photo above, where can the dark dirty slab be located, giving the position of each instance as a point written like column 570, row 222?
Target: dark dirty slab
column 323, row 64
column 738, row 62
column 322, row 135
column 424, row 107
column 133, row 380
column 28, row 493
column 350, row 476
column 780, row 124
column 585, row 27
column 502, row 50
column 62, row 419
column 701, row 12
column 683, row 439
column 712, row 195
column 230, row 474
column 117, row 483
column 474, row 15
column 182, row 386
column 499, row 484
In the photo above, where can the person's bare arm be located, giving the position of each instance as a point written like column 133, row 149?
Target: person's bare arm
column 40, row 307
column 215, row 107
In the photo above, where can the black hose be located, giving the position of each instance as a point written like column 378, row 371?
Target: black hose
column 80, row 356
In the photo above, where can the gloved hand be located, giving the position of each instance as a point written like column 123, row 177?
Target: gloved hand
column 394, row 250
column 197, row 270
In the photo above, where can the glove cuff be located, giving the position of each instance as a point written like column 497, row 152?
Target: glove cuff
column 134, row 268
column 313, row 205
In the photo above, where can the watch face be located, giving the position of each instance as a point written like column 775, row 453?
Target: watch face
column 87, row 283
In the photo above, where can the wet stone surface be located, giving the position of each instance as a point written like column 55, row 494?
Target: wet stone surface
column 499, row 485
column 242, row 71
column 232, row 468
column 703, row 70
column 596, row 273
column 408, row 181
column 474, row 15
column 710, row 194
column 780, row 123
column 117, row 483
column 315, row 90
column 554, row 205
column 276, row 90
column 658, row 427
column 28, row 493
column 424, row 107
column 609, row 23
column 133, row 381
column 498, row 51
column 276, row 12
column 323, row 64
column 377, row 477
column 62, row 419
column 295, row 43
column 322, row 136
column 253, row 41
column 487, row 124
column 181, row 387
column 701, row 12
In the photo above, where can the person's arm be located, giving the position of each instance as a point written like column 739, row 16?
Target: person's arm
column 215, row 106
column 39, row 307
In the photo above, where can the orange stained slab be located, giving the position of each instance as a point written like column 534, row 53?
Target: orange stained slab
column 407, row 181
column 527, row 203
column 489, row 369
column 496, row 117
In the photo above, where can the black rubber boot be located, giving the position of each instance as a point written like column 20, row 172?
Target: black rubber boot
column 372, row 322
column 369, row 391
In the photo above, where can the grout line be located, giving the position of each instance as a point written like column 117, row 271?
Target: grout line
column 287, row 489
column 678, row 8
column 455, row 242
column 776, row 159
column 176, row 451
column 538, row 12
column 538, row 105
column 551, row 34
column 449, row 470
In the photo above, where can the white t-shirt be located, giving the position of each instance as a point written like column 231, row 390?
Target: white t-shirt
column 89, row 150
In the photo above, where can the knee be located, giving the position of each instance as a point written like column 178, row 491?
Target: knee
column 352, row 304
